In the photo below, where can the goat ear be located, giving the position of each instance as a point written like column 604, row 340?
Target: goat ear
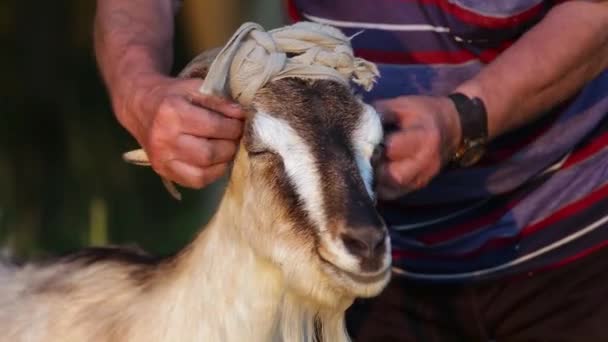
column 139, row 157
column 199, row 66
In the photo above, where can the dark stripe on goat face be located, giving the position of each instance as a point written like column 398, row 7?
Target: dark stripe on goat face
column 347, row 202
column 332, row 116
column 325, row 114
column 350, row 211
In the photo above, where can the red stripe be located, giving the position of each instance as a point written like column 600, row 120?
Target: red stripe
column 429, row 57
column 568, row 210
column 489, row 55
column 575, row 257
column 491, row 22
column 292, row 11
column 596, row 145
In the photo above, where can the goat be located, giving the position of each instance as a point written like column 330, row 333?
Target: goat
column 295, row 240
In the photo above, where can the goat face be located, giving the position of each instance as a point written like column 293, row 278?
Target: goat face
column 307, row 150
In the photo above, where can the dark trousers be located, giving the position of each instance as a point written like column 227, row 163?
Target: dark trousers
column 568, row 303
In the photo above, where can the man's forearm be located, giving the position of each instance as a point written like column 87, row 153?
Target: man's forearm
column 547, row 65
column 133, row 39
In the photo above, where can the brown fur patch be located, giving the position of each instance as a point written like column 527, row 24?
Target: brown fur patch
column 199, row 66
column 141, row 266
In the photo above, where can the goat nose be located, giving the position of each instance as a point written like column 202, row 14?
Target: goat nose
column 365, row 242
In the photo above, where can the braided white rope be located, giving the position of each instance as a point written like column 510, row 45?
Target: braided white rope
column 254, row 57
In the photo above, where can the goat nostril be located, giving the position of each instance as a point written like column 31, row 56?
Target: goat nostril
column 355, row 246
column 364, row 242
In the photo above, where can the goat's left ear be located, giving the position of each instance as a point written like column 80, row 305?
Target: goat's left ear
column 199, row 66
column 365, row 73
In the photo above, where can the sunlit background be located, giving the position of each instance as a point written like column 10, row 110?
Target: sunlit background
column 63, row 184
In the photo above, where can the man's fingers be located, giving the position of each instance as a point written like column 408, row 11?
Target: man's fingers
column 398, row 173
column 397, row 112
column 397, row 178
column 403, row 144
column 389, row 193
column 218, row 104
column 387, row 115
column 194, row 177
column 202, row 122
column 389, row 180
column 204, row 152
column 191, row 88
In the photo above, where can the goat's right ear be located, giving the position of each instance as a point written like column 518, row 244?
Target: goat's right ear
column 140, row 157
column 199, row 66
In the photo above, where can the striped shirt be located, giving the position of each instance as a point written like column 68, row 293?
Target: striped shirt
column 538, row 199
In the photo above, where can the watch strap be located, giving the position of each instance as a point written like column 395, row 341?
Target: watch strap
column 474, row 129
column 473, row 116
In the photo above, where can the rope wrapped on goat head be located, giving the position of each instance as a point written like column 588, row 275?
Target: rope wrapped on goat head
column 254, row 57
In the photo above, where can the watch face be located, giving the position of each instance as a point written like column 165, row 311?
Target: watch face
column 472, row 155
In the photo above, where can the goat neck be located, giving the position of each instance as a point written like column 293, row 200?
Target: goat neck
column 226, row 291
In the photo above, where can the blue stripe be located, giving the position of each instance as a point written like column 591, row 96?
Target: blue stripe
column 396, row 80
column 402, row 41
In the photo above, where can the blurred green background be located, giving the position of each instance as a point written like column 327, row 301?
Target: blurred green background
column 63, row 184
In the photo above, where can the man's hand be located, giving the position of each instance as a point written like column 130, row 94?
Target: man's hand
column 428, row 131
column 189, row 138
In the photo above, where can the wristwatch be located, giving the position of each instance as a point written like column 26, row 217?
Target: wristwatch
column 474, row 129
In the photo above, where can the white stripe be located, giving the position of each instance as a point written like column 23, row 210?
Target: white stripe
column 512, row 263
column 365, row 139
column 376, row 26
column 300, row 166
column 556, row 166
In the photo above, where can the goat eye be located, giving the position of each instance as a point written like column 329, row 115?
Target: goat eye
column 259, row 153
column 255, row 149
